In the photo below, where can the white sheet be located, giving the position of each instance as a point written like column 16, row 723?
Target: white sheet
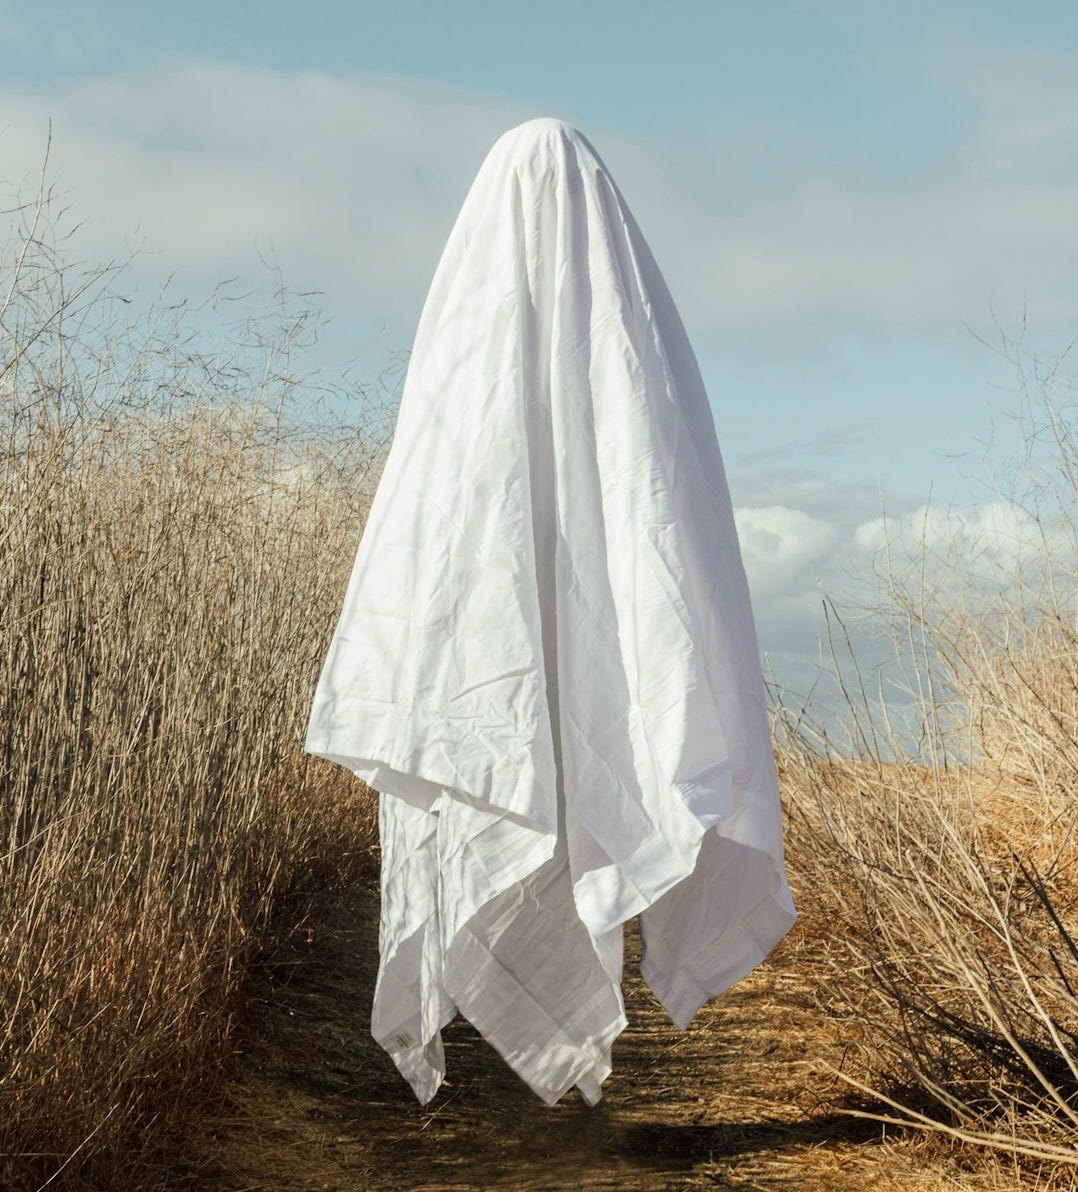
column 546, row 660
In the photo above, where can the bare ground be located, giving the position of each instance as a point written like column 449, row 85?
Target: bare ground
column 737, row 1101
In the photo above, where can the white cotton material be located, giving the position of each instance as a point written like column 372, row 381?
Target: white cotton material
column 546, row 662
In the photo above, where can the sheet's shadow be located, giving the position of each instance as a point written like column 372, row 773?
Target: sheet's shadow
column 309, row 1056
column 682, row 1147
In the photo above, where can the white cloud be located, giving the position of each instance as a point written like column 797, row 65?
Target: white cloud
column 964, row 555
column 994, row 541
column 782, row 548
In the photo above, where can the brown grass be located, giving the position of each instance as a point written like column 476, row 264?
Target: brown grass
column 173, row 538
column 944, row 842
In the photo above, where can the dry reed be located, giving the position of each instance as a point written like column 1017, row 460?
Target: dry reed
column 937, row 837
column 176, row 525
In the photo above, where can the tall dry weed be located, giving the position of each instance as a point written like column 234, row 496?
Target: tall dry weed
column 933, row 824
column 176, row 525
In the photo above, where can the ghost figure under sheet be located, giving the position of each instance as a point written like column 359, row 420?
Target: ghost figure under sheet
column 546, row 661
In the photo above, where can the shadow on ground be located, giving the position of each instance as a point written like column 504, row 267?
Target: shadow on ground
column 320, row 1106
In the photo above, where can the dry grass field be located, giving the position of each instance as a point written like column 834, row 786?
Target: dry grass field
column 187, row 940
column 172, row 540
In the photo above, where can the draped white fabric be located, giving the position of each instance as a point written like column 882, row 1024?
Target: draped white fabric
column 546, row 660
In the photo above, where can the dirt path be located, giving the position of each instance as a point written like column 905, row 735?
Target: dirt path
column 734, row 1102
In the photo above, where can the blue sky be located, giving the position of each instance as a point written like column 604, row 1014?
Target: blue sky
column 843, row 197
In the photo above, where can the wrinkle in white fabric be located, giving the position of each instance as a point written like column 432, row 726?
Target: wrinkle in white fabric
column 546, row 662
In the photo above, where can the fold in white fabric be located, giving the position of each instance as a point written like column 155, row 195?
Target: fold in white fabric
column 546, row 662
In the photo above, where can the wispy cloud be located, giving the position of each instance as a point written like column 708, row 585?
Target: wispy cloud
column 350, row 185
column 353, row 183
